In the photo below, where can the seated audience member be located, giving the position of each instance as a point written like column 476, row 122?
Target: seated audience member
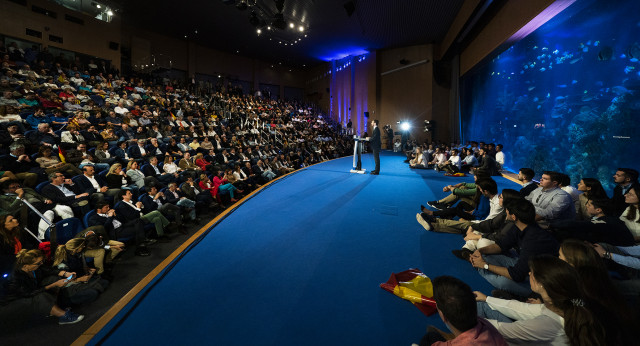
column 459, row 192
column 598, row 285
column 87, row 283
column 44, row 135
column 550, row 201
column 487, row 163
column 126, row 211
column 81, row 157
column 71, row 138
column 488, row 231
column 623, row 178
column 103, row 155
column 152, row 170
column 20, row 164
column 439, row 158
column 32, row 290
column 156, row 200
column 469, row 161
column 10, row 242
column 525, row 175
column 174, row 196
column 63, row 191
column 138, row 151
column 487, row 188
column 591, row 189
column 51, row 163
column 565, row 185
column 106, row 217
column 195, row 193
column 223, row 186
column 499, row 156
column 631, row 215
column 137, row 176
column 186, row 163
column 419, row 160
column 454, row 163
column 567, row 316
column 601, row 228
column 11, row 201
column 510, row 273
column 94, row 185
column 263, row 173
column 457, row 308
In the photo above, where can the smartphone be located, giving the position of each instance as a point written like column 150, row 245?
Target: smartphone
column 69, row 278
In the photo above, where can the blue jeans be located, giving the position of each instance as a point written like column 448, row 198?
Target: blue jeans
column 500, row 282
column 187, row 203
column 485, row 311
column 227, row 188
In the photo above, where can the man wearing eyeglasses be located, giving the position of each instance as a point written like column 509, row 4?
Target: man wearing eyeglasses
column 550, row 201
column 11, row 200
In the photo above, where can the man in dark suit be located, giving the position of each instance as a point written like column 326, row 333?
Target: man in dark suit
column 128, row 210
column 376, row 144
column 155, row 200
column 63, row 191
column 488, row 163
column 94, row 185
column 116, row 229
column 152, row 170
column 624, row 178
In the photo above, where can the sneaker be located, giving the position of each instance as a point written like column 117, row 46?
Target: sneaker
column 422, row 221
column 462, row 254
column 435, row 205
column 70, row 318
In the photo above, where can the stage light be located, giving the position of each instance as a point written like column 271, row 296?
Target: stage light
column 291, row 25
column 98, row 6
column 259, row 31
column 405, row 126
column 301, row 28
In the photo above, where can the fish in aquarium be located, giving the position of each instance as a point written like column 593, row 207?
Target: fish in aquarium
column 629, row 69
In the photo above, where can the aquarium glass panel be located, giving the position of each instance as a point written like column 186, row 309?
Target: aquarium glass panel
column 566, row 97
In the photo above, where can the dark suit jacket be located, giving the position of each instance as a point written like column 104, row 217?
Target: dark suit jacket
column 149, row 204
column 125, row 213
column 375, row 140
column 106, row 222
column 53, row 193
column 134, row 152
column 171, row 198
column 148, row 171
column 489, row 164
column 191, row 192
column 152, row 150
column 525, row 191
column 84, row 185
column 10, row 163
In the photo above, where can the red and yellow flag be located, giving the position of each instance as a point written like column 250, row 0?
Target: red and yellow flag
column 414, row 286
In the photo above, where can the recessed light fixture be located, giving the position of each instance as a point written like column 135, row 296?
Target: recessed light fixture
column 300, row 28
column 259, row 31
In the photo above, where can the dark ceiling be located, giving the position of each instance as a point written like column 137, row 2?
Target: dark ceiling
column 331, row 32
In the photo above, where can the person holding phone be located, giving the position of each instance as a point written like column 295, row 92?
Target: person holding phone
column 31, row 290
column 87, row 285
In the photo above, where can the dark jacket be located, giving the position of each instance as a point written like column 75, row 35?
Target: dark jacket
column 375, row 141
column 84, row 185
column 53, row 193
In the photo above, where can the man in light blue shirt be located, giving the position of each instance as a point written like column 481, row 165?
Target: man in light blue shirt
column 550, row 201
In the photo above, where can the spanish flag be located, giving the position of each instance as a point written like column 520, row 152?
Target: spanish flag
column 61, row 154
column 414, row 286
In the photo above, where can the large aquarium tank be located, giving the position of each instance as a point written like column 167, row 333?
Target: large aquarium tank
column 565, row 98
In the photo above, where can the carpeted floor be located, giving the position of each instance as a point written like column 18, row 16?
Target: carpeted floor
column 300, row 264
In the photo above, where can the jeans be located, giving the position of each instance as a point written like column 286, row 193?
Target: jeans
column 485, row 311
column 500, row 282
column 227, row 188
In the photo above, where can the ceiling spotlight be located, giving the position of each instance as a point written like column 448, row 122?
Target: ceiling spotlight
column 305, row 35
column 280, row 42
column 269, row 28
column 259, row 31
column 300, row 28
column 291, row 25
column 98, row 6
column 219, row 76
column 109, row 12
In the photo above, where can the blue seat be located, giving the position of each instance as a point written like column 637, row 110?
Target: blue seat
column 103, row 174
column 86, row 217
column 40, row 186
column 66, row 229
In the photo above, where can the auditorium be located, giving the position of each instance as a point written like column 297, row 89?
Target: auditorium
column 306, row 172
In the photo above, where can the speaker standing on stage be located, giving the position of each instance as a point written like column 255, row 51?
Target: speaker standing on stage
column 375, row 146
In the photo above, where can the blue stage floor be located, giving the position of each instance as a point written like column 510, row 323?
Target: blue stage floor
column 300, row 263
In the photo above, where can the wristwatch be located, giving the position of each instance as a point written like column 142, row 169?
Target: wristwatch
column 486, row 266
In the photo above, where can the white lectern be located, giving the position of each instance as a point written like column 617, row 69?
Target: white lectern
column 357, row 154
